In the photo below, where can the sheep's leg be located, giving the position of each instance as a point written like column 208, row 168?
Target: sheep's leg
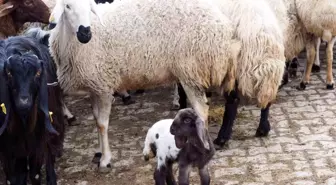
column 16, row 170
column 264, row 125
column 35, row 165
column 50, row 169
column 311, row 52
column 183, row 96
column 70, row 117
column 204, row 175
column 199, row 102
column 176, row 103
column 330, row 58
column 104, row 103
column 184, row 172
column 231, row 108
column 170, row 174
column 316, row 65
column 95, row 110
column 160, row 175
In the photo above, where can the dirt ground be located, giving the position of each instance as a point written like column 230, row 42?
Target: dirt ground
column 301, row 147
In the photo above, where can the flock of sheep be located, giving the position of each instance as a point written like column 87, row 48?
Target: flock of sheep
column 236, row 47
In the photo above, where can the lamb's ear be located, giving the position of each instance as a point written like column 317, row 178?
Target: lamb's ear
column 201, row 133
column 96, row 11
column 6, row 8
column 43, row 99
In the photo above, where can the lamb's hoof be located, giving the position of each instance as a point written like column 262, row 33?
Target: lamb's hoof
column 106, row 169
column 175, row 107
column 315, row 68
column 139, row 91
column 208, row 94
column 292, row 74
column 330, row 86
column 128, row 100
column 302, row 86
column 219, row 143
column 96, row 158
column 263, row 132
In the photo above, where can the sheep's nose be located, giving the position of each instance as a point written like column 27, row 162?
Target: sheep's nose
column 24, row 100
column 172, row 130
column 84, row 34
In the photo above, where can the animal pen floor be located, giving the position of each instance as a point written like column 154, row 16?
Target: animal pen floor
column 300, row 149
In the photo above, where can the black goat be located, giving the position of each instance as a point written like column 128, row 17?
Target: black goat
column 195, row 143
column 30, row 136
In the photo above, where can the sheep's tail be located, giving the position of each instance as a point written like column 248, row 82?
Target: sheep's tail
column 41, row 35
column 268, row 77
column 147, row 151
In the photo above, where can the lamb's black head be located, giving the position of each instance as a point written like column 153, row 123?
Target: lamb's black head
column 23, row 74
column 189, row 127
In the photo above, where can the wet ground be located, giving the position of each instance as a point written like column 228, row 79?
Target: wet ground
column 300, row 149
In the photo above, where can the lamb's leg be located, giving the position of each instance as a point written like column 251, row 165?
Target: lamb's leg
column 176, row 104
column 170, row 174
column 199, row 102
column 330, row 58
column 160, row 175
column 104, row 103
column 35, row 165
column 204, row 175
column 316, row 65
column 95, row 110
column 17, row 171
column 311, row 52
column 264, row 125
column 231, row 107
column 50, row 168
column 184, row 172
column 292, row 69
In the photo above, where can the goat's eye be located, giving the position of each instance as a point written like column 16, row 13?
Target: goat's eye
column 67, row 6
column 187, row 120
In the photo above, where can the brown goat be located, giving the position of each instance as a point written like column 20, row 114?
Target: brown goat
column 14, row 13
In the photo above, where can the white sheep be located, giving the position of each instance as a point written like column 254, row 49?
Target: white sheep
column 145, row 43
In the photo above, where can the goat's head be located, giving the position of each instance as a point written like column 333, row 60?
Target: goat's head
column 76, row 14
column 189, row 127
column 27, row 82
column 31, row 11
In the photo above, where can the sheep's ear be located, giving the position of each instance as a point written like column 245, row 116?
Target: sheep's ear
column 5, row 101
column 56, row 13
column 201, row 133
column 95, row 10
column 43, row 99
column 6, row 8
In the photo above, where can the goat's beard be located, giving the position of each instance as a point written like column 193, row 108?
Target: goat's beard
column 180, row 141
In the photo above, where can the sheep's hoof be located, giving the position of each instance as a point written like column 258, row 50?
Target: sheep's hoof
column 72, row 119
column 175, row 107
column 139, row 91
column 96, row 158
column 220, row 143
column 330, row 86
column 263, row 132
column 302, row 86
column 128, row 100
column 106, row 169
column 315, row 68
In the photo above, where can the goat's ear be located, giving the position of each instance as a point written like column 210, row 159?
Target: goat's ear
column 6, row 8
column 96, row 11
column 201, row 133
column 43, row 99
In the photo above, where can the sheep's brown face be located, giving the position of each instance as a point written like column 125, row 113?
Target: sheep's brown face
column 23, row 75
column 31, row 11
column 184, row 126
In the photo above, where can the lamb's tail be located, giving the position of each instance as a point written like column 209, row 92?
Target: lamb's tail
column 41, row 35
column 149, row 150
